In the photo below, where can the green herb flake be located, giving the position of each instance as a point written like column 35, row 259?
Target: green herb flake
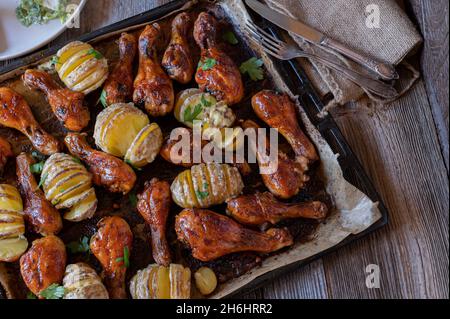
column 132, row 198
column 56, row 201
column 30, row 12
column 189, row 116
column 207, row 64
column 230, row 37
column 31, row 295
column 126, row 257
column 80, row 246
column 77, row 160
column 203, row 194
column 55, row 60
column 95, row 53
column 205, row 102
column 253, row 67
column 54, row 291
column 103, row 98
column 41, row 182
column 37, row 167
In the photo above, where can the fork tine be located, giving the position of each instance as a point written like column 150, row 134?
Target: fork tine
column 262, row 37
column 267, row 35
column 259, row 37
column 267, row 49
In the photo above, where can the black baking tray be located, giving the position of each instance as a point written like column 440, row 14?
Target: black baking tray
column 298, row 83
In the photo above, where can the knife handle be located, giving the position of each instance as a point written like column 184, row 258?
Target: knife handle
column 384, row 70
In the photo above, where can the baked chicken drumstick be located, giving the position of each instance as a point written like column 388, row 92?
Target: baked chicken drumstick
column 118, row 87
column 278, row 111
column 43, row 264
column 39, row 213
column 211, row 235
column 261, row 208
column 107, row 170
column 154, row 205
column 217, row 73
column 152, row 87
column 290, row 175
column 177, row 60
column 15, row 113
column 5, row 152
column 67, row 105
column 110, row 245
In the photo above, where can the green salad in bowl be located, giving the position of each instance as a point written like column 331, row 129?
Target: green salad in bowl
column 41, row 11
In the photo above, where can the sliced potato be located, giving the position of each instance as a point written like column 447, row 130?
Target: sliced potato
column 82, row 282
column 103, row 118
column 84, row 209
column 181, row 98
column 159, row 282
column 11, row 224
column 10, row 199
column 81, row 67
column 68, row 185
column 12, row 248
column 145, row 146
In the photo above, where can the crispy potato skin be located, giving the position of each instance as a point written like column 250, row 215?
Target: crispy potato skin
column 224, row 79
column 67, row 105
column 15, row 113
column 107, row 245
column 119, row 85
column 260, row 208
column 39, row 213
column 177, row 60
column 211, row 235
column 152, row 86
column 278, row 111
column 43, row 264
column 107, row 170
column 5, row 152
column 154, row 205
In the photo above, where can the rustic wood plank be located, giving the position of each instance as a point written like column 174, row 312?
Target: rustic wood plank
column 432, row 17
column 399, row 149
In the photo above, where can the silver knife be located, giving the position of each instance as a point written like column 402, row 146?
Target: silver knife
column 384, row 70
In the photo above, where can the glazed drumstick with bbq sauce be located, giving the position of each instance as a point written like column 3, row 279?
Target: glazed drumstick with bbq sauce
column 153, row 205
column 153, row 88
column 67, row 105
column 290, row 176
column 107, row 171
column 177, row 60
column 211, row 235
column 5, row 152
column 118, row 88
column 110, row 245
column 39, row 212
column 261, row 208
column 217, row 73
column 15, row 113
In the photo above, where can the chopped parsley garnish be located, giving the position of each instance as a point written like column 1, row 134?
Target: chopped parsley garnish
column 203, row 194
column 253, row 67
column 37, row 167
column 230, row 37
column 76, row 160
column 189, row 115
column 103, row 98
column 80, row 246
column 95, row 53
column 39, row 12
column 41, row 182
column 54, row 291
column 55, row 60
column 126, row 257
column 207, row 64
column 205, row 102
column 132, row 198
column 31, row 295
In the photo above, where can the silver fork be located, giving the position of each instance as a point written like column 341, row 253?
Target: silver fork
column 284, row 51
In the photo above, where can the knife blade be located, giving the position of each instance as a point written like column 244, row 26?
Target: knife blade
column 383, row 70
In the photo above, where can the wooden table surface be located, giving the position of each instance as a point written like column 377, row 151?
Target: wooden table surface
column 404, row 147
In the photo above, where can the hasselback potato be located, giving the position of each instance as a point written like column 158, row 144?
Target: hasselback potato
column 12, row 227
column 68, row 185
column 206, row 185
column 160, row 282
column 125, row 131
column 81, row 67
column 82, row 282
column 192, row 104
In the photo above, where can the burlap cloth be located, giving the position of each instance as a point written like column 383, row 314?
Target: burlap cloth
column 345, row 21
